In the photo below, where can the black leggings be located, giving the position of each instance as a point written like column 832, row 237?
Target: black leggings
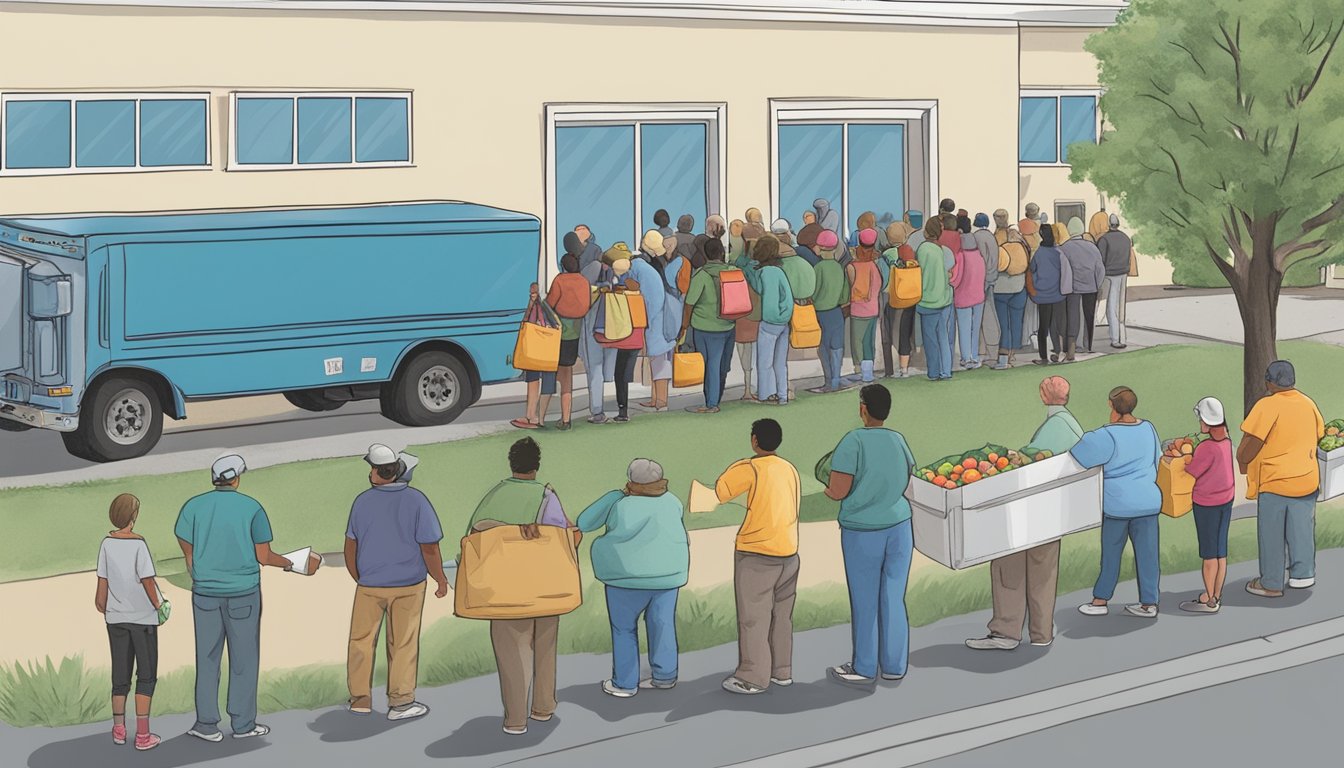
column 1051, row 321
column 898, row 323
column 135, row 647
column 625, row 373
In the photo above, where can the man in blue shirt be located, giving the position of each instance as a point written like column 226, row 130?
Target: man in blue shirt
column 870, row 470
column 391, row 542
column 226, row 538
column 1127, row 450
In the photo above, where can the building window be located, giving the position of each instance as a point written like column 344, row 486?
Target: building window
column 320, row 130
column 103, row 133
column 1048, row 122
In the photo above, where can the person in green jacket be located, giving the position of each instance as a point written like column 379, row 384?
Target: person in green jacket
column 713, row 335
column 772, row 342
column 935, row 307
column 830, row 297
column 644, row 559
column 1027, row 581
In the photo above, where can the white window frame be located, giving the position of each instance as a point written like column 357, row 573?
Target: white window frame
column 74, row 97
column 295, row 165
column 910, row 112
column 1055, row 93
column 714, row 115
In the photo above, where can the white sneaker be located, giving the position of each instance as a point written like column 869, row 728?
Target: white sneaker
column 257, row 730
column 359, row 710
column 1054, row 632
column 845, row 674
column 409, row 712
column 992, row 643
column 1141, row 610
column 1302, row 583
column 657, row 685
column 610, row 689
column 1088, row 609
column 782, row 682
column 732, row 684
column 892, row 678
column 213, row 738
column 515, row 731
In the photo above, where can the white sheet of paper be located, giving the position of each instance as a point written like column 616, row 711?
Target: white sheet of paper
column 299, row 558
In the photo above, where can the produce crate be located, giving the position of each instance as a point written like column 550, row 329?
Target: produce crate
column 1177, row 485
column 1006, row 513
column 1332, row 473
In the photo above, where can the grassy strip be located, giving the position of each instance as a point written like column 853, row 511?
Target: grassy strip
column 308, row 502
column 68, row 692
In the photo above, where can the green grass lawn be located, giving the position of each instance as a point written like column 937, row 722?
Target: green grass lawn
column 56, row 530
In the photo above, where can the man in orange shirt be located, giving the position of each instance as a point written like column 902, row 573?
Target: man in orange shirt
column 1278, row 457
column 765, row 565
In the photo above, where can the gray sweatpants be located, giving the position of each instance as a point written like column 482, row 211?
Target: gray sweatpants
column 1285, row 526
column 1114, row 288
column 237, row 621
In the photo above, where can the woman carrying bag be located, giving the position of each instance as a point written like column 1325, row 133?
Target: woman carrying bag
column 537, row 355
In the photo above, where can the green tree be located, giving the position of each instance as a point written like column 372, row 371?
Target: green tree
column 1226, row 142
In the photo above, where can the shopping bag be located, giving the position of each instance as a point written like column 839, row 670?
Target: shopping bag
column 734, row 297
column 616, row 313
column 538, row 344
column 688, row 369
column 1177, row 486
column 501, row 575
column 804, row 330
column 634, row 341
column 906, row 287
column 639, row 313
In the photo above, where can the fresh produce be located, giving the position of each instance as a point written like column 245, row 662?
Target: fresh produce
column 1182, row 446
column 965, row 468
column 1334, row 436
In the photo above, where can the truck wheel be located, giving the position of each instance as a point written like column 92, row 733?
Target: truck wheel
column 312, row 400
column 122, row 419
column 431, row 388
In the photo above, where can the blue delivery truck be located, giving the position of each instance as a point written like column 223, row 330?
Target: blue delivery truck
column 110, row 322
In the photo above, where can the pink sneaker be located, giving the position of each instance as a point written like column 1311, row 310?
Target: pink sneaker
column 147, row 742
column 118, row 734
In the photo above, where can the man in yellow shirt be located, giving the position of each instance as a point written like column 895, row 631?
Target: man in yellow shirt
column 1278, row 457
column 765, row 565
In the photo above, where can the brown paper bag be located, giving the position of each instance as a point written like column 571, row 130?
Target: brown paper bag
column 501, row 575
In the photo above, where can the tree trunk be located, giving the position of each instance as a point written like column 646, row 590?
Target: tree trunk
column 1258, row 302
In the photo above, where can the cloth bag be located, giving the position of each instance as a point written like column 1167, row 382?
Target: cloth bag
column 538, row 345
column 688, row 369
column 734, row 295
column 613, row 319
column 804, row 330
column 906, row 287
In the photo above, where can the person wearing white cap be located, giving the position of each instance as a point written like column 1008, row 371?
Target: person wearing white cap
column 644, row 559
column 391, row 542
column 226, row 537
column 1215, row 487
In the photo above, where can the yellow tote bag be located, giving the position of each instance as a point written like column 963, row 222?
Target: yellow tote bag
column 804, row 330
column 504, row 576
column 618, row 325
column 688, row 369
column 538, row 345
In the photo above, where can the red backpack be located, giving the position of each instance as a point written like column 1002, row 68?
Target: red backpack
column 734, row 297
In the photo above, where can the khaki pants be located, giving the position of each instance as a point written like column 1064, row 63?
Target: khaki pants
column 525, row 652
column 765, row 588
column 402, row 606
column 1025, row 581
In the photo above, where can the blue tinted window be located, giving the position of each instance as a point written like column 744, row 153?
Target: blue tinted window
column 105, row 134
column 811, row 164
column 876, row 173
column 1037, row 142
column 37, row 134
column 382, row 130
column 595, row 183
column 264, row 131
column 172, row 132
column 1077, row 122
column 324, row 130
column 672, row 172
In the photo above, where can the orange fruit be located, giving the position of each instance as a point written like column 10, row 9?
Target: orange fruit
column 984, row 467
column 1002, row 463
column 970, row 463
column 992, row 472
column 971, row 475
column 993, row 458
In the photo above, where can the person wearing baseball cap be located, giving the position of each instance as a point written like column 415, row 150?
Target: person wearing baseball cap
column 225, row 537
column 391, row 543
column 1278, row 457
column 830, row 296
column 1215, row 487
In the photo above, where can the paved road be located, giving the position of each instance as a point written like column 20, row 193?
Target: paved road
column 697, row 724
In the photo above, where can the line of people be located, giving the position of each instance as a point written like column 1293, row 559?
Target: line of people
column 642, row 556
column 973, row 293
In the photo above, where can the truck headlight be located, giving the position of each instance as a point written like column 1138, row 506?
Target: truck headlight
column 60, row 391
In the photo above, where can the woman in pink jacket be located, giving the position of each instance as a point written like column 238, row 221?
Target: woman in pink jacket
column 1215, row 488
column 968, row 294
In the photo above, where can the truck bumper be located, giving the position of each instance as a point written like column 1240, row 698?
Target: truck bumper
column 38, row 417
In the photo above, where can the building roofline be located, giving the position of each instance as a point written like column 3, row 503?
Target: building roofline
column 964, row 13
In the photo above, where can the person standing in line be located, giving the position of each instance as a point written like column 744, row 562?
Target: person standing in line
column 1088, row 273
column 541, row 386
column 1127, row 450
column 766, row 277
column 867, row 295
column 391, row 544
column 626, row 359
column 646, row 271
column 989, row 255
column 916, row 221
column 802, row 278
column 828, row 218
column 1030, row 213
column 589, row 251
column 713, row 334
column 599, row 362
column 570, row 296
column 1115, row 247
column 662, row 221
column 132, row 606
column 1010, row 299
column 898, row 325
column 644, row 559
column 1215, row 488
column 685, row 240
column 968, row 294
column 870, row 470
column 1047, row 277
column 225, row 538
column 1024, row 584
column 807, row 243
column 935, row 306
column 1005, row 232
column 830, row 299
column 747, row 329
column 765, row 561
column 1278, row 457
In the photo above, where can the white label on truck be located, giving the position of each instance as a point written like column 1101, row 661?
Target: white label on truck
column 368, row 364
column 333, row 365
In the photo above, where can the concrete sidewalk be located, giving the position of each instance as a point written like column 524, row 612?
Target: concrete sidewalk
column 698, row 724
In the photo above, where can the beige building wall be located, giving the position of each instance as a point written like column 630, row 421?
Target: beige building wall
column 480, row 84
column 1055, row 58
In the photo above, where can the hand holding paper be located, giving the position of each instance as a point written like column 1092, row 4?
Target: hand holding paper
column 702, row 498
column 304, row 561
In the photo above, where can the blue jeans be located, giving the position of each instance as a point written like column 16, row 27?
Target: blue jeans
column 968, row 331
column 1142, row 533
column 1010, row 307
column 877, row 567
column 1283, row 523
column 772, row 361
column 935, row 325
column 236, row 620
column 717, row 349
column 659, row 607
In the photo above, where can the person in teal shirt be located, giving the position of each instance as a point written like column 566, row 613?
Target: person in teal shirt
column 870, row 470
column 766, row 277
column 935, row 306
column 644, row 559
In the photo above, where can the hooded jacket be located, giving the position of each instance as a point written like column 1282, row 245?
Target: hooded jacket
column 1050, row 275
column 1085, row 264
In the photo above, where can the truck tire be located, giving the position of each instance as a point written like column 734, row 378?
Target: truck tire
column 121, row 419
column 431, row 388
column 312, row 400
